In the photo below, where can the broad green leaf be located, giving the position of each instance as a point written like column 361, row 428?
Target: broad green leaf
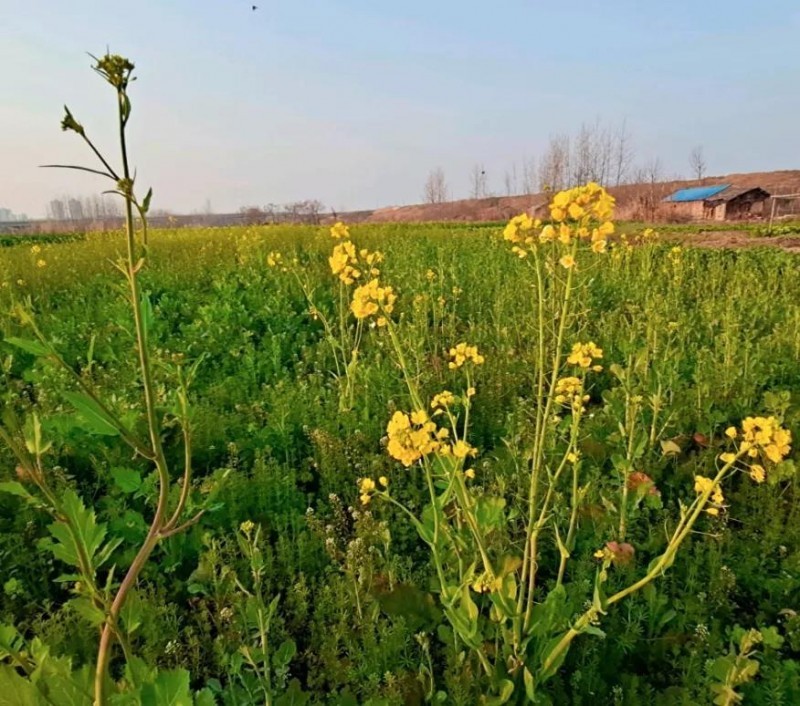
column 63, row 686
column 284, row 654
column 29, row 346
column 127, row 480
column 87, row 610
column 132, row 613
column 14, row 488
column 137, row 671
column 169, row 689
column 92, row 413
column 205, row 697
column 16, row 690
column 294, row 696
column 82, row 537
column 489, row 512
column 10, row 640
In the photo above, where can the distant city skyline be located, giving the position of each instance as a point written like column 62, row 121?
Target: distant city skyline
column 8, row 216
column 357, row 103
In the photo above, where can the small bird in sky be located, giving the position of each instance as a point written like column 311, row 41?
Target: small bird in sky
column 255, row 7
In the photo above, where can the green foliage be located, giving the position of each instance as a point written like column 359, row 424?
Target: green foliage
column 286, row 590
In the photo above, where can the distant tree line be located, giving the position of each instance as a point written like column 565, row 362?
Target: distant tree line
column 308, row 211
column 598, row 152
column 86, row 208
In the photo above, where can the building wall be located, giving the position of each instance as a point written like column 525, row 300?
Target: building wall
column 683, row 210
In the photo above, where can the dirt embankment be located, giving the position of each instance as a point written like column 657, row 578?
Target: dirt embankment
column 634, row 201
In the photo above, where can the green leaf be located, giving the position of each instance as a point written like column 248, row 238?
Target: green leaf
column 169, row 689
column 205, row 697
column 556, row 664
column 294, row 696
column 14, row 488
column 284, row 654
column 83, row 536
column 16, row 690
column 530, row 685
column 29, row 346
column 63, row 686
column 146, row 201
column 147, row 314
column 772, row 638
column 97, row 420
column 489, row 512
column 783, row 471
column 87, row 610
column 127, row 480
column 10, row 640
column 505, row 692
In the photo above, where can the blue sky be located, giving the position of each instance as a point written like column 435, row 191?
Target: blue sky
column 354, row 102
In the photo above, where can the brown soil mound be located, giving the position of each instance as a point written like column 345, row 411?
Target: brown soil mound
column 630, row 198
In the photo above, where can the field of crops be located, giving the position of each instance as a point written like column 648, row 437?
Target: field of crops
column 364, row 527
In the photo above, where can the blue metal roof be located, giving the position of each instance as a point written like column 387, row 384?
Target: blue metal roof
column 697, row 193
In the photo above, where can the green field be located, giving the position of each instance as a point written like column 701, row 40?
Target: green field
column 693, row 341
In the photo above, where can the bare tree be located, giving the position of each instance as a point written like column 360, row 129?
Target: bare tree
column 478, row 182
column 528, row 175
column 650, row 176
column 510, row 180
column 435, row 187
column 554, row 170
column 697, row 162
column 623, row 153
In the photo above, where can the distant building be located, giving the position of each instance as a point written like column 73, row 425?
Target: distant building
column 6, row 215
column 719, row 202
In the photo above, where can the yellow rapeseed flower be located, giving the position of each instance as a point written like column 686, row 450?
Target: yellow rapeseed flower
column 764, row 435
column 584, row 354
column 371, row 298
column 339, row 231
column 408, row 441
column 757, row 473
column 461, row 449
column 463, row 353
column 443, row 399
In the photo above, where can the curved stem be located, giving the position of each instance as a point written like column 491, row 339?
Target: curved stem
column 154, row 533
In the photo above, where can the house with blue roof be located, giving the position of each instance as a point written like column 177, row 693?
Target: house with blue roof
column 718, row 202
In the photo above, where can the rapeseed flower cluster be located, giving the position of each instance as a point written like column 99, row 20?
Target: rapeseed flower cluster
column 569, row 392
column 367, row 488
column 704, row 485
column 463, row 353
column 584, row 355
column 582, row 213
column 760, row 439
column 443, row 400
column 349, row 264
column 340, row 231
column 370, row 299
column 413, row 436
